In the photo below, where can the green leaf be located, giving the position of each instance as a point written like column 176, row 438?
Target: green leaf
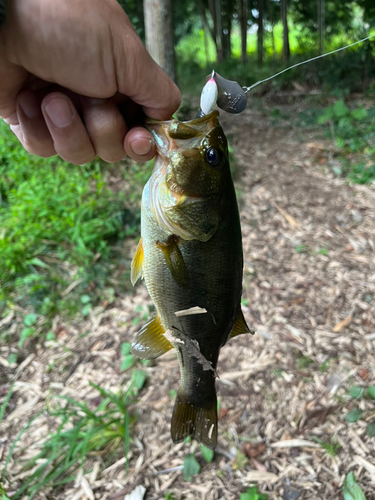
column 353, row 415
column 127, row 362
column 340, row 109
column 359, row 113
column 30, row 319
column 50, row 336
column 139, row 378
column 125, row 348
column 86, row 310
column 37, row 262
column 25, row 334
column 253, row 494
column 208, row 454
column 191, row 467
column 12, row 358
column 371, row 392
column 325, row 116
column 371, row 429
column 351, row 490
column 356, row 391
column 85, row 299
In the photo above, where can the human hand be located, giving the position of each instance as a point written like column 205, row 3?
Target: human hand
column 67, row 68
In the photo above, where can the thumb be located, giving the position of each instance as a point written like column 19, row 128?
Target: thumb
column 143, row 80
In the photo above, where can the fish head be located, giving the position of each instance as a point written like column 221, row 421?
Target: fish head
column 191, row 176
column 193, row 155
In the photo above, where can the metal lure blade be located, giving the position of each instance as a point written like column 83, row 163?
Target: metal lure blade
column 231, row 97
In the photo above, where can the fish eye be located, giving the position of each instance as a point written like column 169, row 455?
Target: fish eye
column 213, row 157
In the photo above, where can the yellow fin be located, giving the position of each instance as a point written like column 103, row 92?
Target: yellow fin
column 137, row 263
column 174, row 259
column 149, row 342
column 190, row 420
column 240, row 326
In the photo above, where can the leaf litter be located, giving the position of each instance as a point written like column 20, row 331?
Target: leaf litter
column 309, row 268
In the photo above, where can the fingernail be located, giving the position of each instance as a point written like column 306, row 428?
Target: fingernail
column 141, row 146
column 60, row 112
column 12, row 119
column 29, row 105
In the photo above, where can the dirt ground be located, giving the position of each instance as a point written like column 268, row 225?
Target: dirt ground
column 309, row 292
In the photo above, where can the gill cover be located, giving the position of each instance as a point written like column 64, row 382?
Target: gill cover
column 190, row 174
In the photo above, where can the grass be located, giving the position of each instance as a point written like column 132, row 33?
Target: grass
column 62, row 225
column 82, row 433
column 332, row 446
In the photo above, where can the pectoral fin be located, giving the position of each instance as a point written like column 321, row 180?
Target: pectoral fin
column 137, row 263
column 174, row 259
column 149, row 342
column 240, row 326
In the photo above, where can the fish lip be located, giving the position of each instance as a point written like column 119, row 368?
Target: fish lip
column 161, row 131
column 152, row 121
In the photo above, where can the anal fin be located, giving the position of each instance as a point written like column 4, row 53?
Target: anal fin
column 190, row 420
column 137, row 263
column 240, row 326
column 149, row 342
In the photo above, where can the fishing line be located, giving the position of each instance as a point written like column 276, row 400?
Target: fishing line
column 246, row 89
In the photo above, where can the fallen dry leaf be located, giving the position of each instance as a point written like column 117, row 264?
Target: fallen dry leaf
column 252, row 450
column 293, row 223
column 342, row 324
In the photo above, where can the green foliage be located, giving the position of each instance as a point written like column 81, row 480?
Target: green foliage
column 82, row 431
column 332, row 447
column 58, row 225
column 354, row 134
column 253, row 494
column 353, row 415
column 128, row 359
column 191, row 467
column 356, row 392
column 303, row 362
column 208, row 454
column 351, row 490
column 5, row 404
column 370, row 428
column 169, row 496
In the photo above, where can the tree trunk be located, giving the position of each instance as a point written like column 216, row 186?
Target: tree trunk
column 212, row 5
column 242, row 10
column 271, row 18
column 321, row 24
column 260, row 33
column 206, row 28
column 284, row 19
column 227, row 16
column 219, row 32
column 159, row 34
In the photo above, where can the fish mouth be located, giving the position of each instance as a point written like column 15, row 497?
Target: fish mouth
column 172, row 135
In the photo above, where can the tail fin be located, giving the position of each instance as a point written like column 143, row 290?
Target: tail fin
column 199, row 423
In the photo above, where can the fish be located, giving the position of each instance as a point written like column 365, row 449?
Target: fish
column 190, row 256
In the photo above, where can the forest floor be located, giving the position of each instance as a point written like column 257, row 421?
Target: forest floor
column 309, row 292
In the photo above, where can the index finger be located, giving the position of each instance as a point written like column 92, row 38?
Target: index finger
column 143, row 80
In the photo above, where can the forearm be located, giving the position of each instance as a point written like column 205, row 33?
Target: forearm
column 2, row 12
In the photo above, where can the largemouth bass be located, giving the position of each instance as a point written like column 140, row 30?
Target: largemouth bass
column 190, row 256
